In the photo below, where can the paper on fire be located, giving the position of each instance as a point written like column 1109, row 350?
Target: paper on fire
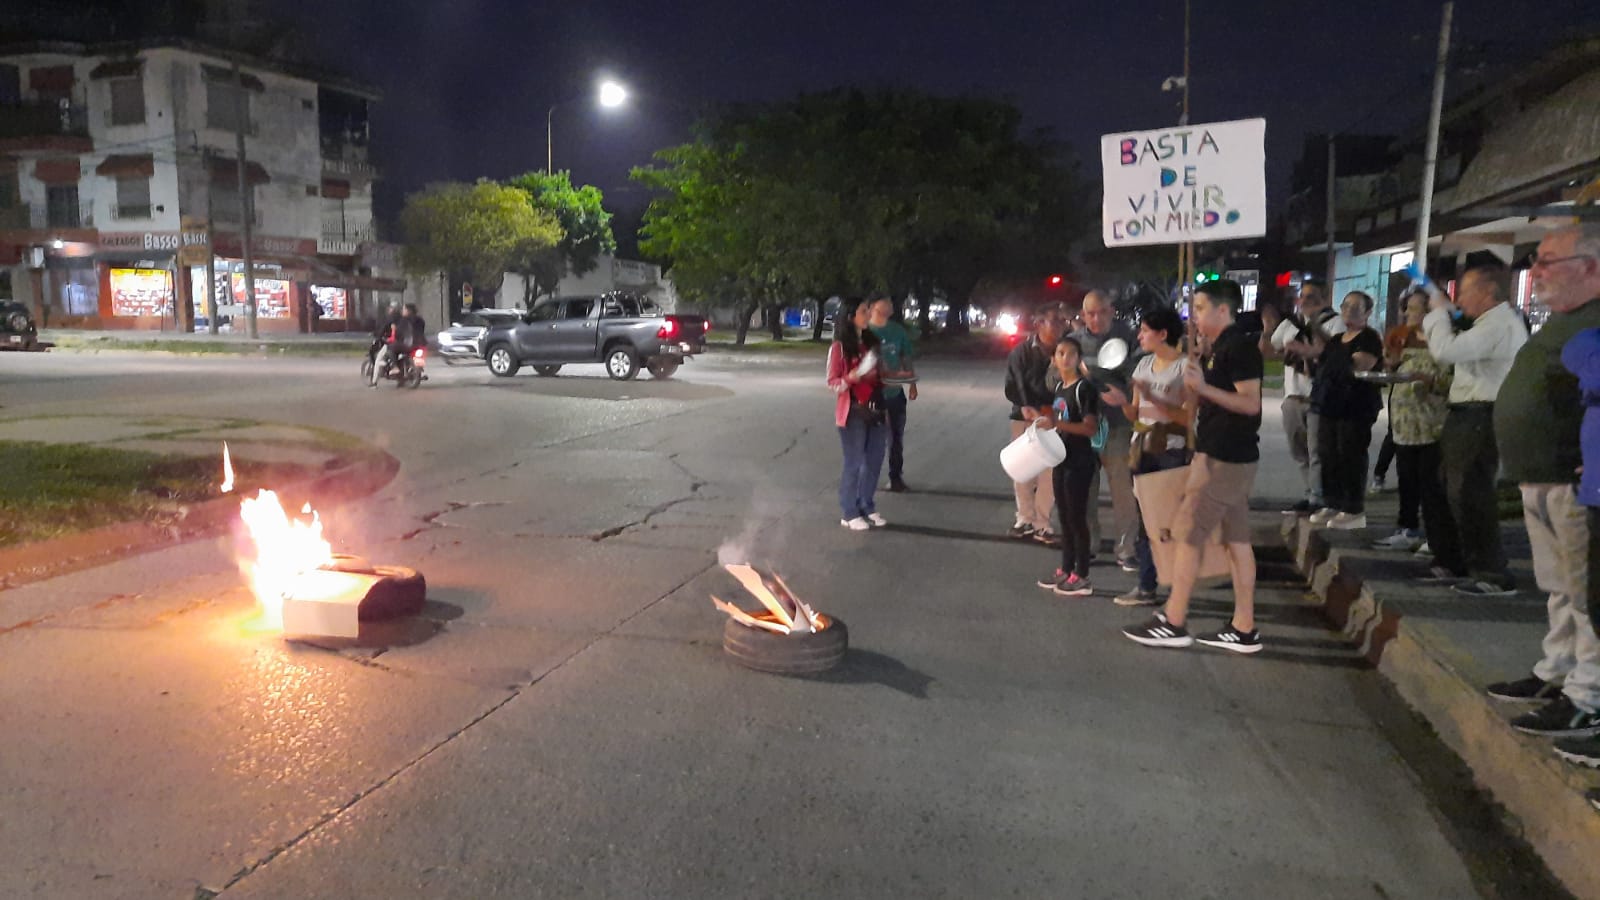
column 790, row 612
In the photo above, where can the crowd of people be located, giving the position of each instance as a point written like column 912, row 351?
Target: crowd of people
column 1473, row 399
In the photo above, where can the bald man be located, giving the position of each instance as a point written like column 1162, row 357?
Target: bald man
column 1537, row 421
column 1100, row 325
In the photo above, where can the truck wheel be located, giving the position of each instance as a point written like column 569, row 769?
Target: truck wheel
column 622, row 362
column 546, row 371
column 502, row 361
column 663, row 368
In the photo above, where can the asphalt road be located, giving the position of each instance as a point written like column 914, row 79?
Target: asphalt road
column 562, row 721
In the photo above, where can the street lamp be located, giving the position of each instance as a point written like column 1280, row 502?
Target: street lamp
column 611, row 95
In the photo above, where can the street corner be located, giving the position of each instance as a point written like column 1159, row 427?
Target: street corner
column 87, row 490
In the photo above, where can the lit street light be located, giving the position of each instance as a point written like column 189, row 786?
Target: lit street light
column 611, row 96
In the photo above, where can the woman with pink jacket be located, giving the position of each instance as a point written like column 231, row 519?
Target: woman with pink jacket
column 853, row 374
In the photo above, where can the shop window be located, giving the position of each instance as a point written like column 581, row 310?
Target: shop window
column 133, row 198
column 127, row 101
column 141, row 292
column 224, row 104
column 61, row 206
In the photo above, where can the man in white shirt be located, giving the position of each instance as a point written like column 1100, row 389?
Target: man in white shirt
column 1285, row 339
column 1469, row 544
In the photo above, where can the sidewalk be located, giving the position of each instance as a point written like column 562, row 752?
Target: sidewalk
column 71, row 340
column 1439, row 649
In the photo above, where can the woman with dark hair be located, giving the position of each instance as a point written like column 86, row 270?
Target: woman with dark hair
column 1075, row 413
column 859, row 412
column 1161, row 426
column 1348, row 407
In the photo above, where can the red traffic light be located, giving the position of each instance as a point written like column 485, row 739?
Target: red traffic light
column 1054, row 280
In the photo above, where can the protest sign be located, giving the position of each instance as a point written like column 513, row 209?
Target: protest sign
column 1187, row 183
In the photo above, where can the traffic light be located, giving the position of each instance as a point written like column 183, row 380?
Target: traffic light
column 1054, row 281
column 1203, row 276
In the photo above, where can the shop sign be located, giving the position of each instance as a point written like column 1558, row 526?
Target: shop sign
column 156, row 241
column 196, row 247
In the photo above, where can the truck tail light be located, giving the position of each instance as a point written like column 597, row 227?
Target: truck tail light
column 708, row 326
column 668, row 331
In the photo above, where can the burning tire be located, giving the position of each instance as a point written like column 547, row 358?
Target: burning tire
column 801, row 653
column 400, row 592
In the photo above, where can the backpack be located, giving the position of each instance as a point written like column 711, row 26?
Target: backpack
column 1097, row 441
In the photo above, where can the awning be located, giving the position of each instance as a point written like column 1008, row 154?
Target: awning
column 335, row 188
column 223, row 73
column 50, row 79
column 117, row 68
column 128, row 165
column 223, row 169
column 58, row 171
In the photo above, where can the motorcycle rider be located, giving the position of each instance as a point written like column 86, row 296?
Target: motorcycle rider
column 384, row 341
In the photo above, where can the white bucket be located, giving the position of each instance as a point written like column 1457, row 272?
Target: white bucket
column 1034, row 451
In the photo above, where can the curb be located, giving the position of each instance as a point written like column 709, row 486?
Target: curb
column 1541, row 794
column 39, row 560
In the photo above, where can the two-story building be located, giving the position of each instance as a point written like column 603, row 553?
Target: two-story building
column 123, row 200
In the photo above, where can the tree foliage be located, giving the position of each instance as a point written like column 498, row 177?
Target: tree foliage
column 585, row 225
column 851, row 192
column 473, row 229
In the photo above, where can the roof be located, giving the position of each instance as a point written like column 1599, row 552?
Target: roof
column 1553, row 138
column 123, row 49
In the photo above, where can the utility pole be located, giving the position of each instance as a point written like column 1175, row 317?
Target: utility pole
column 1186, row 249
column 1430, row 156
column 211, row 249
column 247, row 210
column 1330, row 221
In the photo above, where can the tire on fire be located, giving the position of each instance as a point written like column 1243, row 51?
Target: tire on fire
column 401, row 591
column 802, row 653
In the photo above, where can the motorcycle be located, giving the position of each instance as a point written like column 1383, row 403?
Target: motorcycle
column 406, row 370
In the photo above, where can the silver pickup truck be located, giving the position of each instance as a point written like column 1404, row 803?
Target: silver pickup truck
column 621, row 330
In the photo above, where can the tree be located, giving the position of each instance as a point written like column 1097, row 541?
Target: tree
column 472, row 229
column 586, row 232
column 855, row 193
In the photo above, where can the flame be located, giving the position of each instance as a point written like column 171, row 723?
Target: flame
column 227, row 469
column 285, row 548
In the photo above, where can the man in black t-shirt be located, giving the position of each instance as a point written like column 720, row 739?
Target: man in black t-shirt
column 1227, row 389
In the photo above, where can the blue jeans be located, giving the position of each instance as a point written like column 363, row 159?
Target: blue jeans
column 895, row 406
column 863, row 460
column 1151, row 462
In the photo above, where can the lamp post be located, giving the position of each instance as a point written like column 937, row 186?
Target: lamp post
column 610, row 95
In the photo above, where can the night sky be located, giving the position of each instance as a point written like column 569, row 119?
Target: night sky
column 467, row 82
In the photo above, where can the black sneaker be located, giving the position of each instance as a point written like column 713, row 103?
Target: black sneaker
column 1050, row 581
column 1582, row 751
column 1074, row 585
column 896, row 486
column 1532, row 689
column 1138, row 597
column 1048, row 538
column 1158, row 632
column 1128, row 564
column 1559, row 718
column 1020, row 531
column 1231, row 638
column 1480, row 588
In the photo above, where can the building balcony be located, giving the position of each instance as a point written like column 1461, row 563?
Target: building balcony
column 120, row 212
column 337, row 241
column 40, row 218
column 44, row 125
column 345, row 159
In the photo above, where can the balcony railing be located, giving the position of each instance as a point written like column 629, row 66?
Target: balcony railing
column 41, row 118
column 37, row 217
column 347, row 158
column 335, row 231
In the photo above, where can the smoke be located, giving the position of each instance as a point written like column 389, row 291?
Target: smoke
column 765, row 526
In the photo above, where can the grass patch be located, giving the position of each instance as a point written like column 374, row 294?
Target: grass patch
column 764, row 343
column 48, row 490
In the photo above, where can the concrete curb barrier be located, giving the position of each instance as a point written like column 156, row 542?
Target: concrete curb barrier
column 1541, row 794
column 39, row 560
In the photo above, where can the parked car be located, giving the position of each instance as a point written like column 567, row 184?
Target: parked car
column 463, row 340
column 624, row 331
column 17, row 330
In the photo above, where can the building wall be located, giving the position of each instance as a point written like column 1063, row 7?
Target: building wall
column 610, row 274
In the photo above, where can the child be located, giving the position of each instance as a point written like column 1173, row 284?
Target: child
column 1076, row 415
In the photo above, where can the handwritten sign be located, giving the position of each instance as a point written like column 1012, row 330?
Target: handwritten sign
column 1189, row 183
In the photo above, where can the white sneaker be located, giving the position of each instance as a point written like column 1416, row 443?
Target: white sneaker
column 856, row 524
column 877, row 520
column 1424, row 552
column 1348, row 521
column 1403, row 540
column 1323, row 516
